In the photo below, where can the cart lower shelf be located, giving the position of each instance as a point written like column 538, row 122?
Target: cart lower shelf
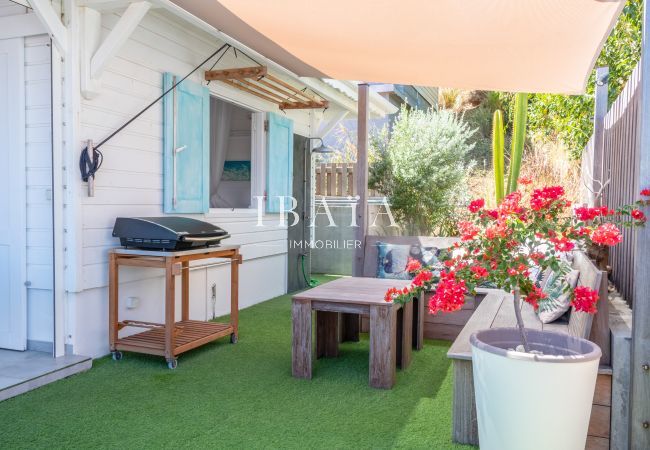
column 189, row 334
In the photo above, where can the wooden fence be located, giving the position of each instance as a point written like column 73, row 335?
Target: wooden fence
column 337, row 180
column 620, row 173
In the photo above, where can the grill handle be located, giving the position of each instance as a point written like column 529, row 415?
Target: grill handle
column 204, row 239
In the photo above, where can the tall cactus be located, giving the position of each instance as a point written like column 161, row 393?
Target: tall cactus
column 518, row 140
column 498, row 145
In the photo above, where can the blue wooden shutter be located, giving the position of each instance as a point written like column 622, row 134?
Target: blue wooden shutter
column 279, row 179
column 187, row 109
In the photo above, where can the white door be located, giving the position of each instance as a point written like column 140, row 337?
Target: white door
column 13, row 307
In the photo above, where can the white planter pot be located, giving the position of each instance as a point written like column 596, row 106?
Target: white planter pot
column 526, row 401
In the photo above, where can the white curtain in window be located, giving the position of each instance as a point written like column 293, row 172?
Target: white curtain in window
column 220, row 118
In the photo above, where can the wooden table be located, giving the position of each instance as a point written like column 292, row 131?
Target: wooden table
column 171, row 338
column 391, row 326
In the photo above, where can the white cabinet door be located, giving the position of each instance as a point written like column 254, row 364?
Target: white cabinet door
column 13, row 309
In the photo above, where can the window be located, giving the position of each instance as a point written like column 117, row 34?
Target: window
column 231, row 155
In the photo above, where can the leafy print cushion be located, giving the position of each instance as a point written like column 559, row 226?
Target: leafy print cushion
column 558, row 290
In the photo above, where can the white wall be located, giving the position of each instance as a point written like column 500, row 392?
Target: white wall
column 38, row 158
column 130, row 184
column 40, row 312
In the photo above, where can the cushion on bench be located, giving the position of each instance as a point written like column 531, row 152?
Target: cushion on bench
column 371, row 248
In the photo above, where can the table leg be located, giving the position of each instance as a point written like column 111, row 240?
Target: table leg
column 113, row 286
column 382, row 346
column 185, row 291
column 418, row 321
column 234, row 295
column 405, row 338
column 170, row 289
column 301, row 339
column 327, row 334
column 351, row 324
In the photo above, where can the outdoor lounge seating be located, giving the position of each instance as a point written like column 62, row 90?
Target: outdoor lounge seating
column 495, row 309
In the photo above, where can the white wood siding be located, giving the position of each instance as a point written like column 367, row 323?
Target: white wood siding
column 39, row 189
column 130, row 184
column 38, row 162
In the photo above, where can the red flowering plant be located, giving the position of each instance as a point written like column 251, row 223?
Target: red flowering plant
column 423, row 279
column 527, row 230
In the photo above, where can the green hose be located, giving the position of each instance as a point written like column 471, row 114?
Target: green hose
column 312, row 282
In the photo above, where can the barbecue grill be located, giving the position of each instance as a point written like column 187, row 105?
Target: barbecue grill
column 167, row 233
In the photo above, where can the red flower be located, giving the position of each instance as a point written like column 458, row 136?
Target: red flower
column 450, row 295
column 563, row 244
column 422, row 277
column 391, row 294
column 638, row 215
column 493, row 213
column 413, row 265
column 544, row 198
column 586, row 214
column 525, row 180
column 510, row 204
column 468, row 230
column 534, row 296
column 607, row 234
column 476, row 205
column 536, row 256
column 585, row 299
column 479, row 272
column 645, row 192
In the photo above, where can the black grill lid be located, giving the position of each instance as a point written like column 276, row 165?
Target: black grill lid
column 169, row 227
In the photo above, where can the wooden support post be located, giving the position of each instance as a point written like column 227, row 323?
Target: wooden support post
column 301, row 342
column 327, row 334
column 185, row 290
column 234, row 294
column 113, row 282
column 383, row 341
column 351, row 325
column 639, row 368
column 170, row 288
column 600, row 111
column 418, row 321
column 362, row 178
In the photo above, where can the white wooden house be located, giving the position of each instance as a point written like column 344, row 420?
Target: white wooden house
column 76, row 70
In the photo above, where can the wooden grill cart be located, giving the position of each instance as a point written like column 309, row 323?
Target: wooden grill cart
column 171, row 338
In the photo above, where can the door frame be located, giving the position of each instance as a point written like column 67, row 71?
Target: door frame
column 16, row 49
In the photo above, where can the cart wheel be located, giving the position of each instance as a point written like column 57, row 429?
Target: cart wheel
column 233, row 338
column 172, row 363
column 117, row 356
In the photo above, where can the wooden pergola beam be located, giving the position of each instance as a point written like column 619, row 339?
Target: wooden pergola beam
column 258, row 82
column 304, row 105
column 250, row 91
column 235, row 74
column 289, row 94
column 295, row 90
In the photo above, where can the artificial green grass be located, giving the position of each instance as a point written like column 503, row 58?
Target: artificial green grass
column 239, row 396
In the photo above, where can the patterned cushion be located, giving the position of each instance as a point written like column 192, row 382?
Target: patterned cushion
column 558, row 300
column 393, row 258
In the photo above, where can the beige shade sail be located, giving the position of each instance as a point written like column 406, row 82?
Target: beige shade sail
column 507, row 45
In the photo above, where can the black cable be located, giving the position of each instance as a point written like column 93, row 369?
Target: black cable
column 219, row 59
column 87, row 169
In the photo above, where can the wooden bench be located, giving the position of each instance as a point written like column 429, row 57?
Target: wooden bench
column 496, row 309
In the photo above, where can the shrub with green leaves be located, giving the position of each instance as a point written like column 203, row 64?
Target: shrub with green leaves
column 421, row 167
column 568, row 119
